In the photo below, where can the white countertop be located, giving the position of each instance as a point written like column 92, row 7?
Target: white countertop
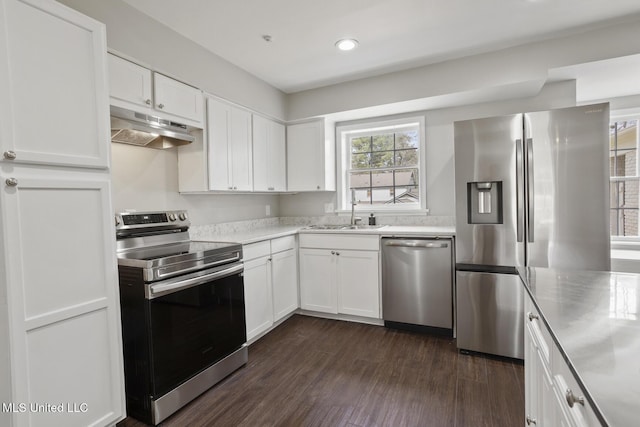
column 249, row 236
column 594, row 318
column 273, row 232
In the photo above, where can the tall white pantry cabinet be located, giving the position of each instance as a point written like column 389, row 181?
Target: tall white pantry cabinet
column 60, row 337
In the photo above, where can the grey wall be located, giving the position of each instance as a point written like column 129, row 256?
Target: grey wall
column 155, row 45
column 439, row 149
column 147, row 179
column 508, row 73
column 501, row 82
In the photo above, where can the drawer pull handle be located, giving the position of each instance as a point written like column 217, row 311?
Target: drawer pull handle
column 572, row 399
column 531, row 420
column 532, row 316
column 11, row 182
column 10, row 155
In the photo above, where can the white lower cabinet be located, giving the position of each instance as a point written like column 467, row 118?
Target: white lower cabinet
column 339, row 274
column 549, row 384
column 317, row 280
column 270, row 283
column 284, row 278
column 257, row 296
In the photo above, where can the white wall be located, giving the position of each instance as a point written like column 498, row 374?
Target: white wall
column 136, row 35
column 495, row 83
column 439, row 149
column 508, row 73
column 147, row 179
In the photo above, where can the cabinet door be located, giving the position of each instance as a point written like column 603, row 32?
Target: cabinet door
column 177, row 98
column 129, row 82
column 260, row 128
column 357, row 283
column 285, row 283
column 240, row 148
column 540, row 402
column 277, row 157
column 218, row 128
column 54, row 100
column 531, row 379
column 317, row 281
column 269, row 154
column 257, row 295
column 305, row 156
column 62, row 299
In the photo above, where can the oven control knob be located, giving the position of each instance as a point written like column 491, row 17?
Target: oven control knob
column 183, row 216
column 172, row 217
column 117, row 221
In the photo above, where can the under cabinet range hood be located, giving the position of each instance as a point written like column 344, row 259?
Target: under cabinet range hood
column 143, row 130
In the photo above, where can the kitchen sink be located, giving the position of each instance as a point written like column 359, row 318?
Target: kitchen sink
column 344, row 227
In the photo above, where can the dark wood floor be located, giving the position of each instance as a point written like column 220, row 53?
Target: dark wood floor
column 319, row 372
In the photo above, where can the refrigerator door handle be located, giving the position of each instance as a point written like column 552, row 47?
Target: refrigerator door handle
column 519, row 191
column 530, row 190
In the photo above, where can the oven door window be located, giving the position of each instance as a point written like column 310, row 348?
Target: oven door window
column 193, row 328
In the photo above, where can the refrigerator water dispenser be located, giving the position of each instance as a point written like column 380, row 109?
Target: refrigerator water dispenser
column 484, row 202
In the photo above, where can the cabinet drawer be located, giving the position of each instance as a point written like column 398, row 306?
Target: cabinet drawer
column 538, row 329
column 581, row 414
column 256, row 250
column 283, row 244
column 340, row 241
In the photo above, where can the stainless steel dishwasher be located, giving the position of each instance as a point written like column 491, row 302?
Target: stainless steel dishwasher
column 417, row 284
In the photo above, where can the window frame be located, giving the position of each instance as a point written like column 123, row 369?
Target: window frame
column 343, row 153
column 625, row 242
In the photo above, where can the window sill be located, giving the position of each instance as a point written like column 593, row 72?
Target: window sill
column 625, row 244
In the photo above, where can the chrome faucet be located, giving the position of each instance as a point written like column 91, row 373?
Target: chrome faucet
column 354, row 202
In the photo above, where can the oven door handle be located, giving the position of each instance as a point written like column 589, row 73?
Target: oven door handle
column 160, row 289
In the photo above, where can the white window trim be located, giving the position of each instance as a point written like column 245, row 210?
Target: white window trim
column 342, row 157
column 626, row 242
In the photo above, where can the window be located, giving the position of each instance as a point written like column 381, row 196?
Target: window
column 381, row 165
column 623, row 162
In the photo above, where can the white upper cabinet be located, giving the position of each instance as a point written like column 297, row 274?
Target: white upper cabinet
column 269, row 155
column 310, row 157
column 139, row 89
column 52, row 87
column 129, row 82
column 177, row 98
column 229, row 147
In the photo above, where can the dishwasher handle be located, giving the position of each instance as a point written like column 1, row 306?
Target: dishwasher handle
column 416, row 244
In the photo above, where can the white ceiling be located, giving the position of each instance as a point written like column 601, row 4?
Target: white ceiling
column 393, row 34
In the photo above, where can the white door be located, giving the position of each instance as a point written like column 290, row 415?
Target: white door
column 277, row 157
column 218, row 134
column 305, row 156
column 269, row 155
column 53, row 85
column 285, row 283
column 257, row 296
column 177, row 98
column 357, row 282
column 130, row 83
column 62, row 294
column 318, row 280
column 261, row 131
column 240, row 146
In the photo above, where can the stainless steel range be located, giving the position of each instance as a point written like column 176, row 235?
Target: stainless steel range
column 183, row 314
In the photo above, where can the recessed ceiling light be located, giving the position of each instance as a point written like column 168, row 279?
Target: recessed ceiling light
column 347, row 44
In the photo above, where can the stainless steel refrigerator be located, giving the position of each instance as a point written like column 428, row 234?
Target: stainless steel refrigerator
column 531, row 190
